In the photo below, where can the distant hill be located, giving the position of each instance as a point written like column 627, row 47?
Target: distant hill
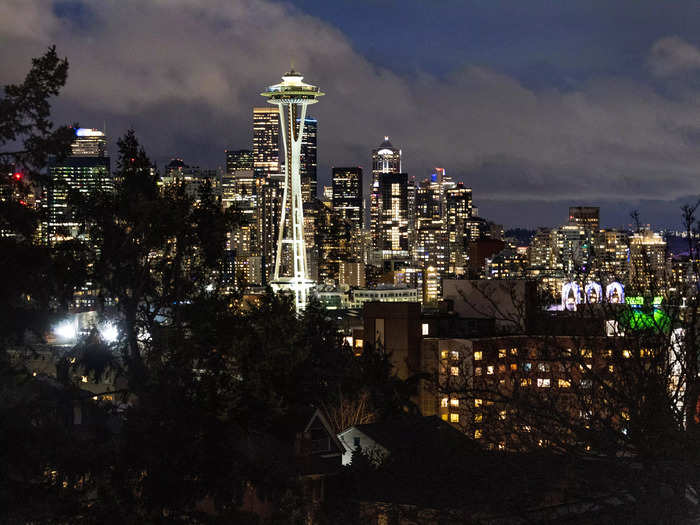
column 520, row 235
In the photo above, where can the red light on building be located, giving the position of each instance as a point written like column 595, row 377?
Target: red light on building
column 17, row 176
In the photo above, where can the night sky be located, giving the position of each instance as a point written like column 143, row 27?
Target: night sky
column 536, row 105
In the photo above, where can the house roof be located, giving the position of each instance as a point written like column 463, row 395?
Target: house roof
column 430, row 432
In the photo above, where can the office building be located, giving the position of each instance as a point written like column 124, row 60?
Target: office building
column 392, row 228
column 308, row 161
column 586, row 216
column 347, row 195
column 266, row 142
column 648, row 269
column 385, row 159
column 86, row 171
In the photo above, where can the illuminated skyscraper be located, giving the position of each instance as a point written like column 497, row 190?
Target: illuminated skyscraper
column 459, row 208
column 385, row 159
column 237, row 160
column 266, row 142
column 586, row 216
column 392, row 239
column 87, row 171
column 648, row 268
column 292, row 96
column 308, row 161
column 347, row 195
column 89, row 143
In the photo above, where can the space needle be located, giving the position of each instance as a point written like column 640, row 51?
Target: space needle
column 292, row 273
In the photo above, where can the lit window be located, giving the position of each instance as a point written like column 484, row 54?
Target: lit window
column 543, row 383
column 611, row 368
column 513, row 367
column 478, row 418
column 586, row 353
column 454, row 355
column 501, row 353
column 625, row 416
column 525, row 382
column 513, row 351
column 443, row 354
column 84, row 379
column 563, row 383
column 454, row 402
column 543, row 367
column 454, row 417
column 444, row 417
column 489, row 370
column 454, row 370
column 426, row 328
column 478, row 402
column 502, row 414
column 626, row 354
column 443, row 402
column 477, row 371
column 501, row 445
column 478, row 356
column 527, row 367
column 477, row 434
column 501, row 369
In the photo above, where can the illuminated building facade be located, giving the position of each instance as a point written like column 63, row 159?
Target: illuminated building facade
column 585, row 216
column 386, row 159
column 458, row 210
column 266, row 142
column 509, row 263
column 242, row 190
column 392, row 235
column 292, row 96
column 541, row 368
column 87, row 171
column 308, row 161
column 612, row 248
column 266, row 168
column 648, row 268
column 347, row 195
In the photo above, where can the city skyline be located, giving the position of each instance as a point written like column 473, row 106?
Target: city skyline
column 532, row 128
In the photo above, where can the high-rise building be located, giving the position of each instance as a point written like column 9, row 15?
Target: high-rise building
column 392, row 231
column 237, row 160
column 385, row 159
column 87, row 171
column 648, row 271
column 458, row 202
column 611, row 250
column 239, row 181
column 89, row 143
column 267, row 170
column 347, row 195
column 586, row 216
column 266, row 142
column 292, row 96
column 308, row 161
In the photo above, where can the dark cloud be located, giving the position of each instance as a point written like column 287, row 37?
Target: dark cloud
column 186, row 73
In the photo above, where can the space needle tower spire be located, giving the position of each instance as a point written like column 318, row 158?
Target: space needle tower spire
column 292, row 96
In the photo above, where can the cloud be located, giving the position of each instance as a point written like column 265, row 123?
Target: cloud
column 186, row 73
column 673, row 55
